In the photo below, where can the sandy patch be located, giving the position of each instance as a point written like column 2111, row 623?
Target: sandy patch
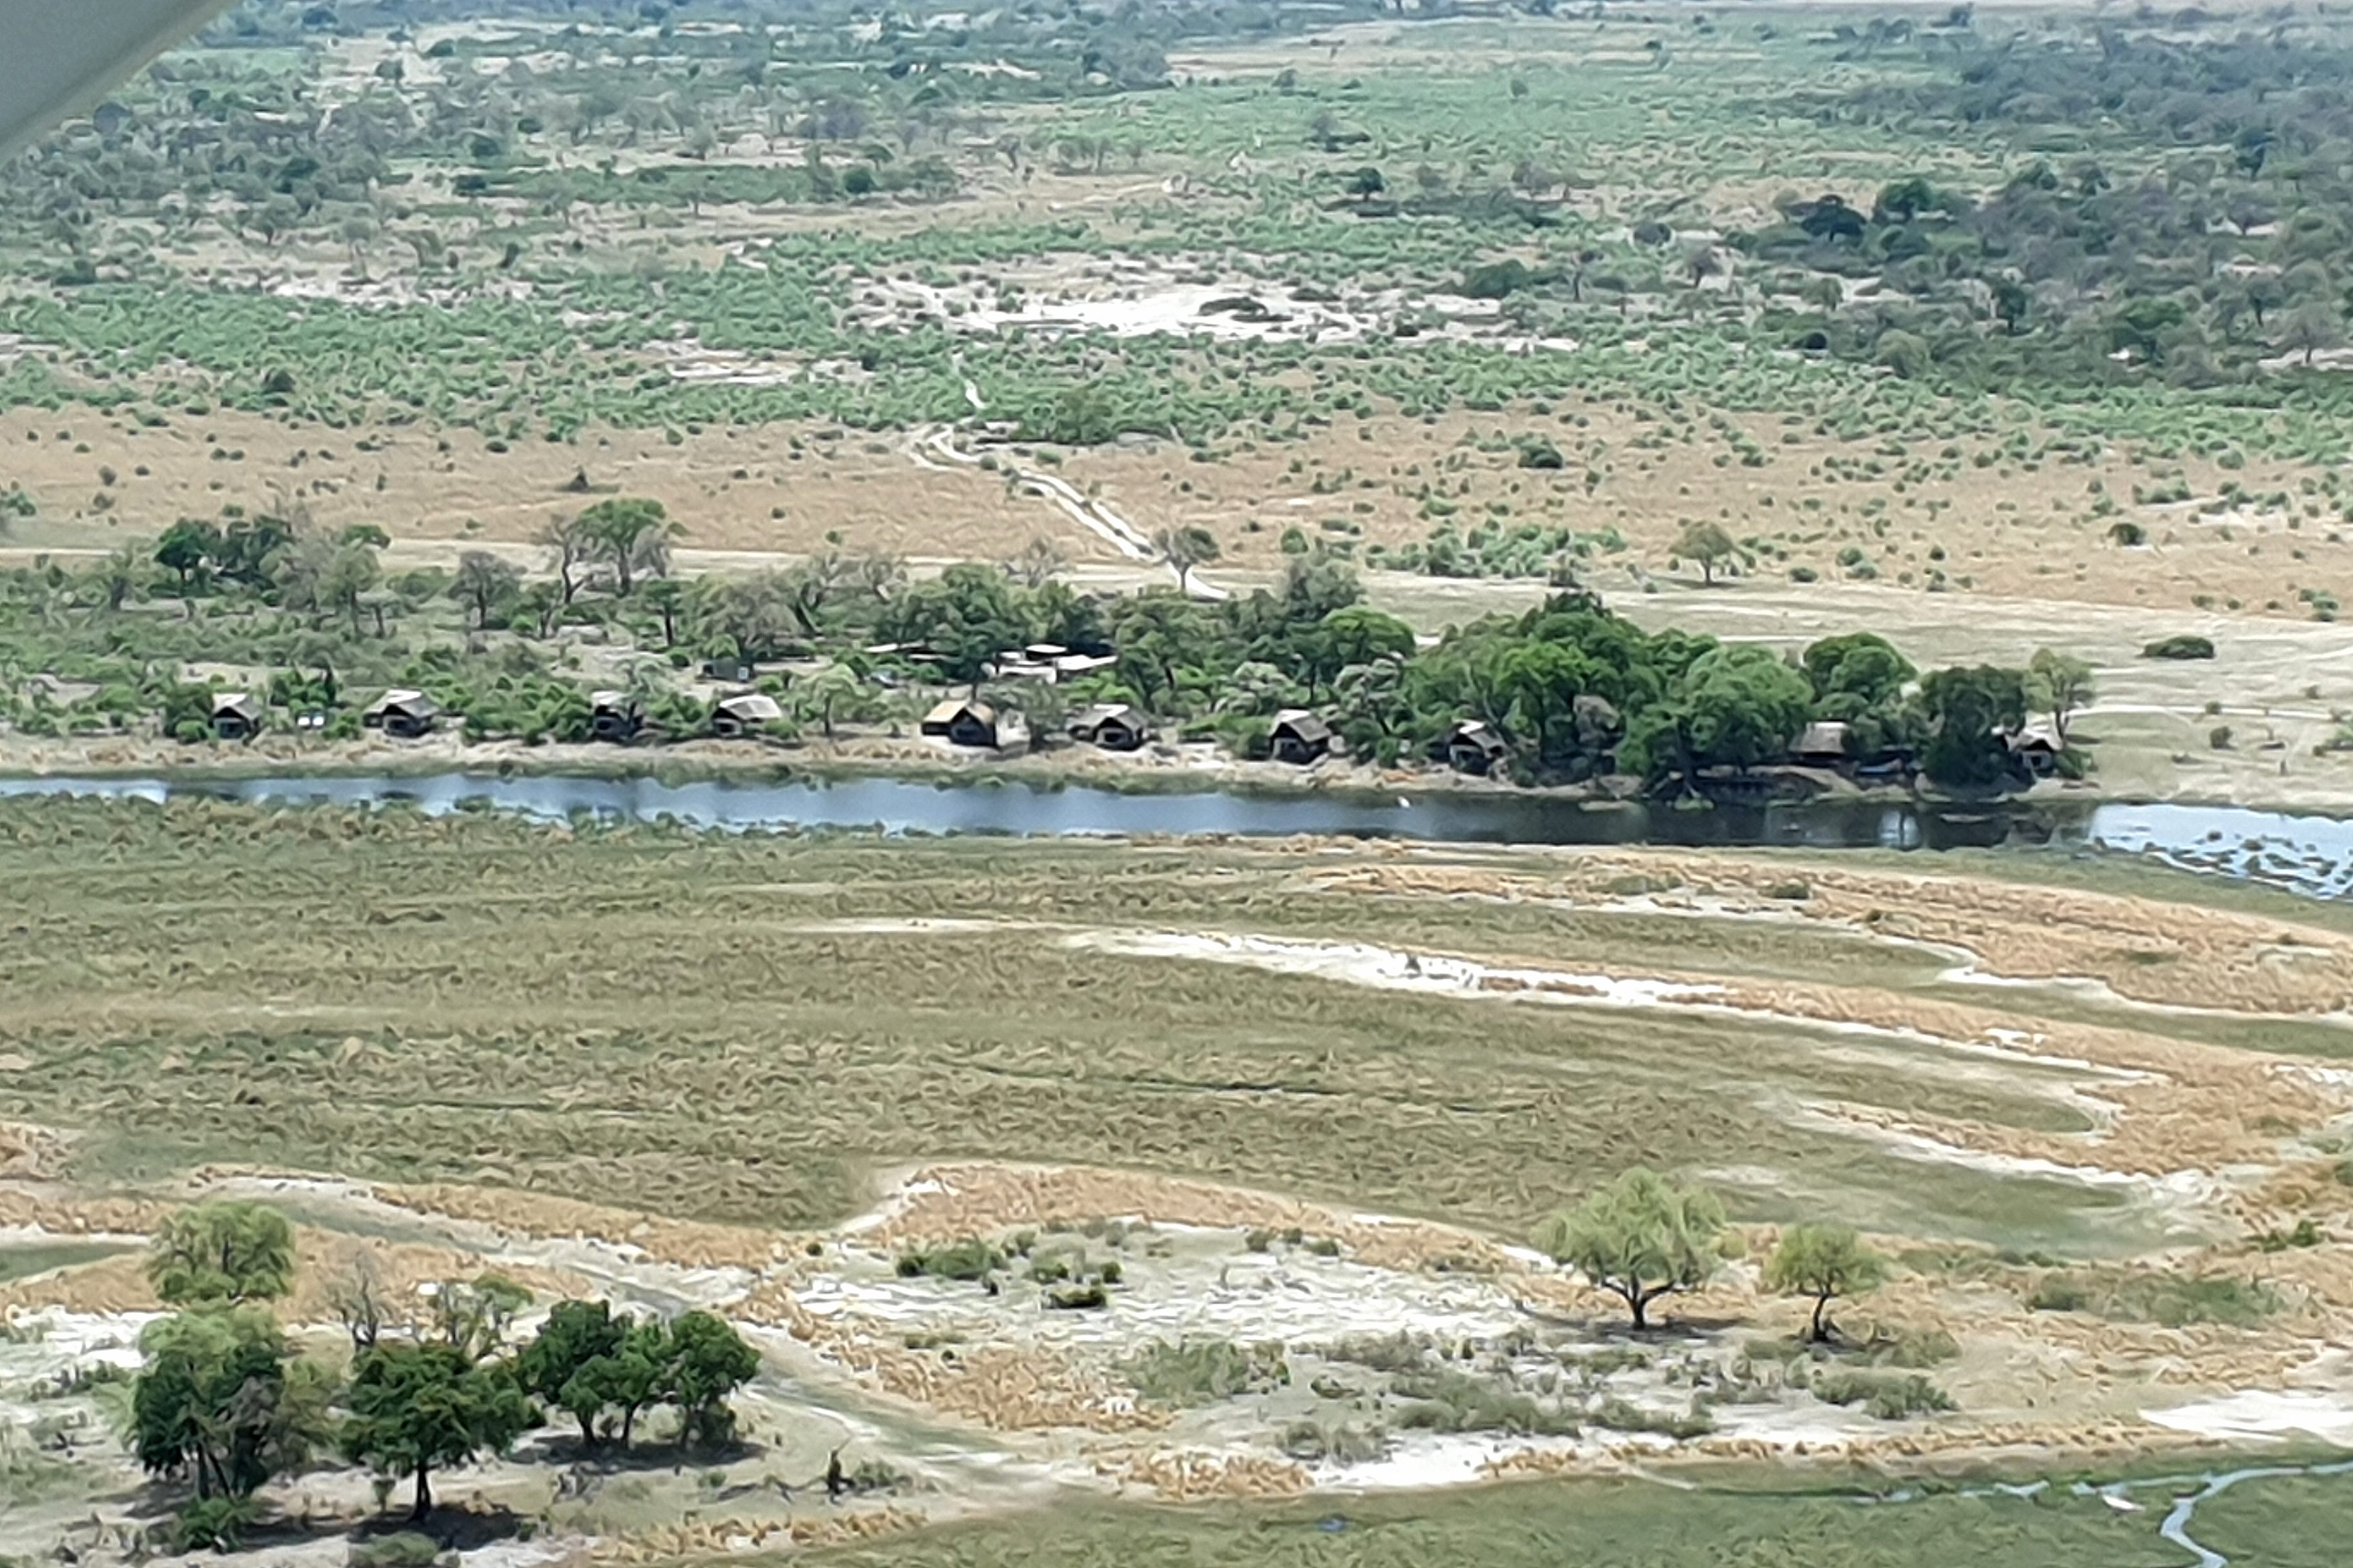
column 2255, row 1414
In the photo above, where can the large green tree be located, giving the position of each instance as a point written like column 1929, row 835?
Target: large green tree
column 185, row 547
column 969, row 614
column 705, row 1360
column 485, row 584
column 561, row 1363
column 1707, row 543
column 1186, row 547
column 1856, row 671
column 1640, row 1237
column 416, row 1408
column 1825, row 1262
column 1742, row 706
column 1973, row 708
column 631, row 535
column 2059, row 684
column 224, row 1401
column 222, row 1252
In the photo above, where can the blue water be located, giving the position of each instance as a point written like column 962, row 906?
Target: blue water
column 2310, row 855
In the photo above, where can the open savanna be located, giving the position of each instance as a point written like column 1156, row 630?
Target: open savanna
column 748, row 1028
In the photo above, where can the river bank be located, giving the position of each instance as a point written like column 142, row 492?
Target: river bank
column 2312, row 856
column 1175, row 769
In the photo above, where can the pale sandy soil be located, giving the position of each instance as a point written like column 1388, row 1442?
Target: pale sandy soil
column 2003, row 530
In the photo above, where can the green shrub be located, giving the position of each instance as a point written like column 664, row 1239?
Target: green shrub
column 969, row 1259
column 1396, row 1352
column 1623, row 1415
column 2182, row 644
column 2304, row 1234
column 1341, row 1443
column 1202, row 1371
column 2171, row 1300
column 1913, row 1348
column 1444, row 1400
column 2057, row 1294
column 403, row 1549
column 1886, row 1396
column 214, row 1524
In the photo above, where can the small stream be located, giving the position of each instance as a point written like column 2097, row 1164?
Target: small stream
column 2174, row 1528
column 2311, row 855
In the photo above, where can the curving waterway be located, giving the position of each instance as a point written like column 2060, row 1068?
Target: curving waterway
column 2306, row 853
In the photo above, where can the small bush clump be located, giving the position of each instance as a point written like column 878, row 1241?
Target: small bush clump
column 969, row 1259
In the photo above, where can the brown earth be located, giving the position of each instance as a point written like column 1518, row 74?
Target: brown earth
column 322, row 1260
column 2000, row 529
column 688, row 1244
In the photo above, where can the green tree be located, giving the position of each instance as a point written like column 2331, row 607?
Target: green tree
column 223, row 1401
column 632, row 536
column 1159, row 635
column 187, row 712
column 222, row 1252
column 185, row 547
column 1825, row 1262
column 353, row 572
column 416, row 1408
column 562, row 1363
column 1186, row 547
column 831, row 696
column 706, row 1362
column 1351, row 636
column 1640, row 1237
column 485, row 584
column 1857, row 670
column 2060, row 684
column 665, row 597
column 635, row 1375
column 1971, row 710
column 473, row 1315
column 1084, row 415
column 1707, row 543
column 1742, row 706
column 969, row 614
column 116, row 577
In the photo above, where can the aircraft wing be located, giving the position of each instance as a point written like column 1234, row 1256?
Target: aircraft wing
column 57, row 59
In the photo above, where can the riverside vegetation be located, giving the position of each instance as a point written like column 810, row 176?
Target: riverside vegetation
column 317, row 626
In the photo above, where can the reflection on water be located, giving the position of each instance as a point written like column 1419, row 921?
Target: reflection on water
column 2311, row 855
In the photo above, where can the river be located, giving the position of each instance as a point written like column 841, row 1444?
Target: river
column 2305, row 853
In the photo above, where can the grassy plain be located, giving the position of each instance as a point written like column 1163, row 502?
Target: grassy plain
column 686, row 1066
column 743, row 1027
column 700, row 1026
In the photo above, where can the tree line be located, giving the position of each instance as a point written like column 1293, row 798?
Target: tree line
column 226, row 1403
column 1571, row 690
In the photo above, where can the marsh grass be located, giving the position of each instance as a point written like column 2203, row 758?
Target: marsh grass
column 1603, row 1524
column 741, row 1026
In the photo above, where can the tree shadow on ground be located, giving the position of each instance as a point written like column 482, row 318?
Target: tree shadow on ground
column 609, row 1459
column 457, row 1527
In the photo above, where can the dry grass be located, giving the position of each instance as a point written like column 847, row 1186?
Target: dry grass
column 2012, row 530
